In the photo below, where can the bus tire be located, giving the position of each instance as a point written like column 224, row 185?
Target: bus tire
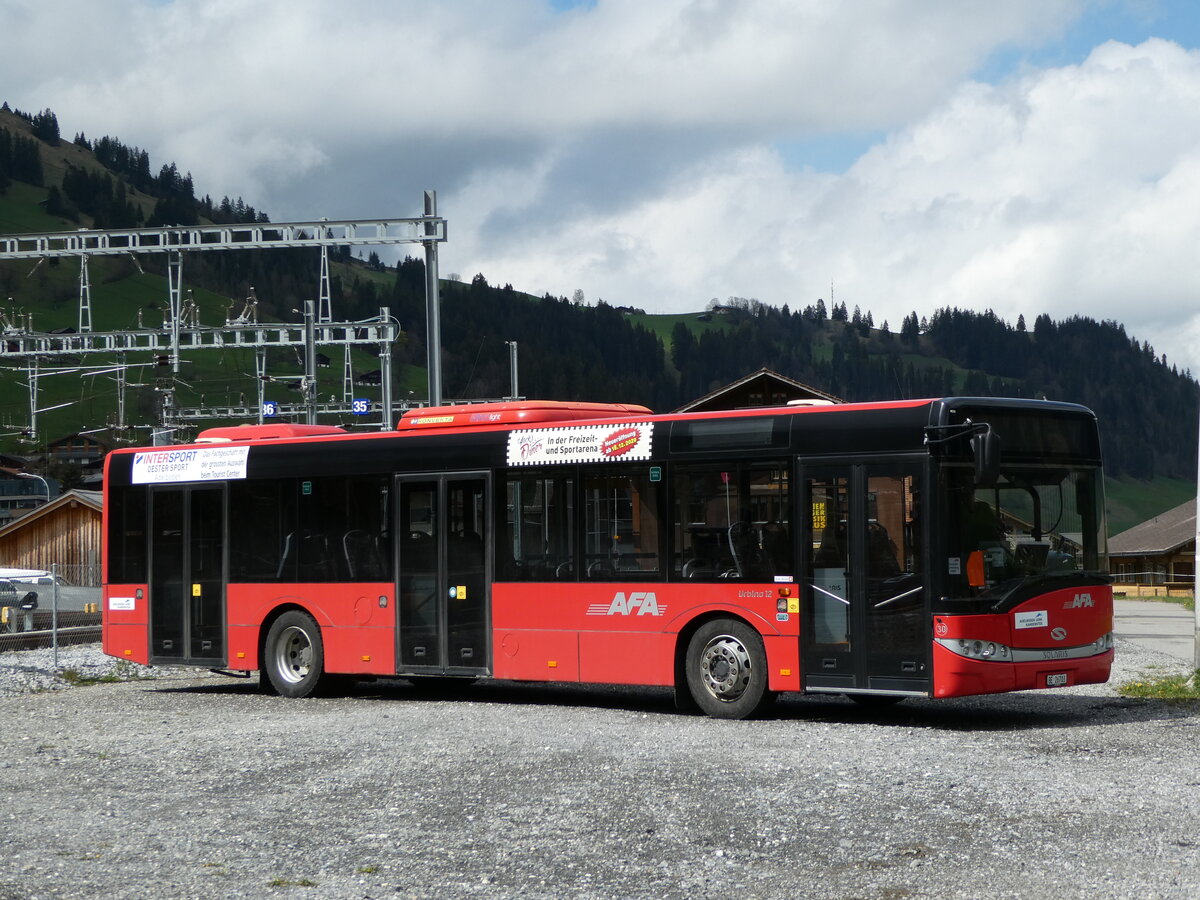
column 294, row 658
column 726, row 669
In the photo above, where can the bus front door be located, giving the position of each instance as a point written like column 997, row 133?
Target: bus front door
column 442, row 574
column 864, row 609
column 187, row 575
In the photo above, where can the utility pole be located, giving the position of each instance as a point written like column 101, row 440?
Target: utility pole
column 514, row 390
column 385, row 373
column 32, row 374
column 1196, row 576
column 260, row 375
column 85, row 296
column 433, row 327
column 121, row 382
column 175, row 302
column 325, row 306
column 310, row 363
column 347, row 377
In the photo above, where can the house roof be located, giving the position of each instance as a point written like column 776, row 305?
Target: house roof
column 767, row 376
column 92, row 499
column 1164, row 533
column 77, row 436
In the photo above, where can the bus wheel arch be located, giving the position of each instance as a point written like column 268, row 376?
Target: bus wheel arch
column 721, row 667
column 291, row 653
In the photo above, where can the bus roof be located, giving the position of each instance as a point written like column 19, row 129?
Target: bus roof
column 276, row 430
column 515, row 413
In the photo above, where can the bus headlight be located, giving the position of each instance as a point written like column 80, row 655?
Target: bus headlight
column 1104, row 643
column 990, row 651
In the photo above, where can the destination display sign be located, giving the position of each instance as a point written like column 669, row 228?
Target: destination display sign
column 581, row 443
column 193, row 464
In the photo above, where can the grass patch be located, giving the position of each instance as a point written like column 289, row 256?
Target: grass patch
column 1168, row 687
column 366, row 870
column 1184, row 600
column 1126, row 592
column 122, row 671
column 288, row 882
column 76, row 678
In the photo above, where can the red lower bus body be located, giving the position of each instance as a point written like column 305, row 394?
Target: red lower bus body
column 635, row 634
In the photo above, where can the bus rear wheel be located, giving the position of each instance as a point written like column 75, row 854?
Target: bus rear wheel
column 726, row 668
column 294, row 655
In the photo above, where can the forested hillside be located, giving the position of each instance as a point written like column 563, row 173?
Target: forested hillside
column 571, row 349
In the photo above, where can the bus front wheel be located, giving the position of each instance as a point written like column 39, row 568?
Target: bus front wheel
column 294, row 658
column 727, row 669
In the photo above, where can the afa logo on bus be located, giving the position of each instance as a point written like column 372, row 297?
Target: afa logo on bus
column 641, row 603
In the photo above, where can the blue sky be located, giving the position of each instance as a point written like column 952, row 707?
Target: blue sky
column 1026, row 156
column 1095, row 23
column 1130, row 22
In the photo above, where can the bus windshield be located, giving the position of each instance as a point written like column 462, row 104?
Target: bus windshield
column 1034, row 524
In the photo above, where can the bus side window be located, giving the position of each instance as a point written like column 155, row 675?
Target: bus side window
column 319, row 530
column 262, row 525
column 539, row 529
column 621, row 533
column 127, row 535
column 731, row 522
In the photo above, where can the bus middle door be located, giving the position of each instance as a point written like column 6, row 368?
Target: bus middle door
column 443, row 582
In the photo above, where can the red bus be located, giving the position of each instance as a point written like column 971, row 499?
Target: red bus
column 918, row 548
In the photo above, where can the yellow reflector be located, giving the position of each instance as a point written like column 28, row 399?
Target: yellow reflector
column 552, row 663
column 785, row 672
column 366, row 659
column 129, row 653
column 241, row 654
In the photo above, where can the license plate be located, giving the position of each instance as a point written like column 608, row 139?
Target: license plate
column 1056, row 680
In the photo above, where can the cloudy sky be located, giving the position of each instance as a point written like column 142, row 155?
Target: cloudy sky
column 1029, row 156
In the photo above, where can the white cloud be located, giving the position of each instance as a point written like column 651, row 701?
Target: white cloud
column 627, row 148
column 392, row 75
column 1069, row 191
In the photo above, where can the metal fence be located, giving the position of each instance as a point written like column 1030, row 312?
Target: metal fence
column 50, row 610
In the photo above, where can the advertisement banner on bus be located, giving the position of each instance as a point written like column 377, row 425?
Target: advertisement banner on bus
column 583, row 443
column 197, row 464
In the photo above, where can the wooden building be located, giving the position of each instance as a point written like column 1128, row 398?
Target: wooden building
column 65, row 531
column 762, row 388
column 1159, row 551
column 83, row 450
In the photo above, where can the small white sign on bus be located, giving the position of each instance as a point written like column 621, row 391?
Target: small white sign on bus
column 192, row 464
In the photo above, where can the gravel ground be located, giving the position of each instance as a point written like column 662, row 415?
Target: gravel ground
column 191, row 784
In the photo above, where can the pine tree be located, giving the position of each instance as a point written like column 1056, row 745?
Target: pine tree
column 45, row 127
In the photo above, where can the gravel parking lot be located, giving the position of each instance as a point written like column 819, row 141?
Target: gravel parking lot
column 195, row 785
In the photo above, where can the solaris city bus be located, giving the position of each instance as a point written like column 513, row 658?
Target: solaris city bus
column 917, row 548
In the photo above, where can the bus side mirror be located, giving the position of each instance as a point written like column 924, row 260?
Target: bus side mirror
column 986, row 447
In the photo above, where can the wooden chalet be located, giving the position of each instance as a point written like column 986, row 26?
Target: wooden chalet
column 65, row 531
column 762, row 388
column 1159, row 551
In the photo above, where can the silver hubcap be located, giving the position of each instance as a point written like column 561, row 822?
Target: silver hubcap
column 725, row 667
column 293, row 654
